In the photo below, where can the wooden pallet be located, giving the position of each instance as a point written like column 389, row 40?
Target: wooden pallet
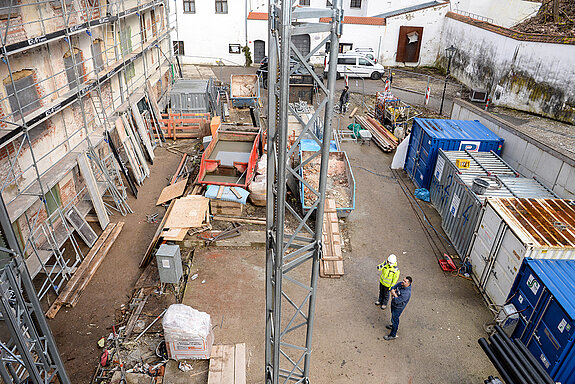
column 227, row 364
column 331, row 264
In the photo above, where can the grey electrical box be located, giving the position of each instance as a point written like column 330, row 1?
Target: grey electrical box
column 169, row 263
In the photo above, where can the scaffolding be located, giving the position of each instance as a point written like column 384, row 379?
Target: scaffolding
column 74, row 72
column 293, row 253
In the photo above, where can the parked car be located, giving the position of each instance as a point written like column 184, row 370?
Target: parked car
column 355, row 64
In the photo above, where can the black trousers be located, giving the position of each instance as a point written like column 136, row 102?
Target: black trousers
column 383, row 294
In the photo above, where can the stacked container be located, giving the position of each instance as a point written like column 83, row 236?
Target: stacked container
column 544, row 296
column 513, row 229
column 429, row 135
column 455, row 193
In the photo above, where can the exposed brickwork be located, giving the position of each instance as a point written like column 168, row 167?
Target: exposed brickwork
column 67, row 189
column 521, row 36
column 16, row 32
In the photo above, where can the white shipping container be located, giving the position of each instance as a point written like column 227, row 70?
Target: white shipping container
column 511, row 229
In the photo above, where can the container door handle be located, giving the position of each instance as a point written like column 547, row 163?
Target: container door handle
column 537, row 338
column 494, row 274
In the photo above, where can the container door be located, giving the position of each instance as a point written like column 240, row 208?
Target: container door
column 484, row 242
column 551, row 337
column 422, row 174
column 413, row 150
column 506, row 264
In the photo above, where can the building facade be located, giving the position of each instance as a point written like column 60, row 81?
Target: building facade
column 78, row 77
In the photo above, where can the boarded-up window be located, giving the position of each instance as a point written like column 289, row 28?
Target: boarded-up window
column 26, row 95
column 154, row 27
column 408, row 44
column 126, row 40
column 8, row 9
column 73, row 63
column 97, row 52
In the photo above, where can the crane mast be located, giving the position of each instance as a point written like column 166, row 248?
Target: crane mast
column 293, row 238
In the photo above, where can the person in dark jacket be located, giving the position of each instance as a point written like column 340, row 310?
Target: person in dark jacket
column 343, row 99
column 401, row 293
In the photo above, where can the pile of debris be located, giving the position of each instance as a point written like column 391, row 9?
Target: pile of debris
column 337, row 181
column 555, row 17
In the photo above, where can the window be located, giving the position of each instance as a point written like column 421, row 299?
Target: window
column 154, row 28
column 130, row 71
column 179, row 48
column 25, row 92
column 355, row 4
column 70, row 67
column 304, row 3
column 190, row 6
column 221, row 6
column 365, row 62
column 343, row 47
column 97, row 55
column 126, row 40
column 235, row 48
column 346, row 60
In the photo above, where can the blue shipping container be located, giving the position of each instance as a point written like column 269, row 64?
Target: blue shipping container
column 428, row 135
column 544, row 295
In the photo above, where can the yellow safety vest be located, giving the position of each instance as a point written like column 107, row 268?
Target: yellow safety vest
column 389, row 275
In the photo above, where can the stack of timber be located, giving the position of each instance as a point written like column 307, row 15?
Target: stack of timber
column 331, row 263
column 382, row 137
column 228, row 364
column 71, row 293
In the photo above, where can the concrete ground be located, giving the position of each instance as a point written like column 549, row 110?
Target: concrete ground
column 439, row 329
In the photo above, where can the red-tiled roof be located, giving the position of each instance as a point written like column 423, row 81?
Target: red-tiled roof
column 258, row 16
column 357, row 20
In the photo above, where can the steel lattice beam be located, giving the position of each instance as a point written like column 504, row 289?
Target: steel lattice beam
column 31, row 354
column 292, row 255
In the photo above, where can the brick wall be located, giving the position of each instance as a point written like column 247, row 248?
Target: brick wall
column 16, row 32
column 68, row 190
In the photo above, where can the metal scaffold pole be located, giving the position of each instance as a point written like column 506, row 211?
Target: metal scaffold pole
column 293, row 248
column 31, row 353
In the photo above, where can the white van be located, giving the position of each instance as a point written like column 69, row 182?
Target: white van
column 367, row 52
column 356, row 65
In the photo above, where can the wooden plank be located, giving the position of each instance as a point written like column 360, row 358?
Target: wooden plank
column 235, row 192
column 148, row 254
column 188, row 212
column 176, row 234
column 240, row 220
column 172, row 191
column 216, row 365
column 62, row 297
column 136, row 313
column 240, row 364
column 93, row 191
column 142, row 130
column 154, row 103
column 95, row 264
column 227, row 364
column 220, row 192
column 352, row 114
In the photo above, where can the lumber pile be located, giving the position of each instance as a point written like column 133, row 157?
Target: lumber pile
column 331, row 263
column 382, row 137
column 71, row 293
column 228, row 364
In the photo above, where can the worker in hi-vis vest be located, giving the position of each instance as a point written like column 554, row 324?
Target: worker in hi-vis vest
column 387, row 279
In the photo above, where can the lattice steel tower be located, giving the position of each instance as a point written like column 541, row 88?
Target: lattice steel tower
column 293, row 251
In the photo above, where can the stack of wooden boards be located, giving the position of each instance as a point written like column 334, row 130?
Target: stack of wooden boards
column 331, row 263
column 228, row 364
column 70, row 295
column 225, row 200
column 382, row 137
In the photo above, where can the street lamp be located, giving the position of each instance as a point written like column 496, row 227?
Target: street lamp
column 450, row 53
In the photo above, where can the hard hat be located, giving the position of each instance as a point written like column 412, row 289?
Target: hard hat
column 392, row 259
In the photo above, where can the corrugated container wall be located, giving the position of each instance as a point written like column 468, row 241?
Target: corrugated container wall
column 194, row 96
column 459, row 206
column 544, row 295
column 510, row 230
column 428, row 135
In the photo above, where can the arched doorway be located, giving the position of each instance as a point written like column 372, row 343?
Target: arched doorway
column 302, row 42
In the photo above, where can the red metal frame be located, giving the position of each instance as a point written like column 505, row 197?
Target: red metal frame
column 210, row 165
